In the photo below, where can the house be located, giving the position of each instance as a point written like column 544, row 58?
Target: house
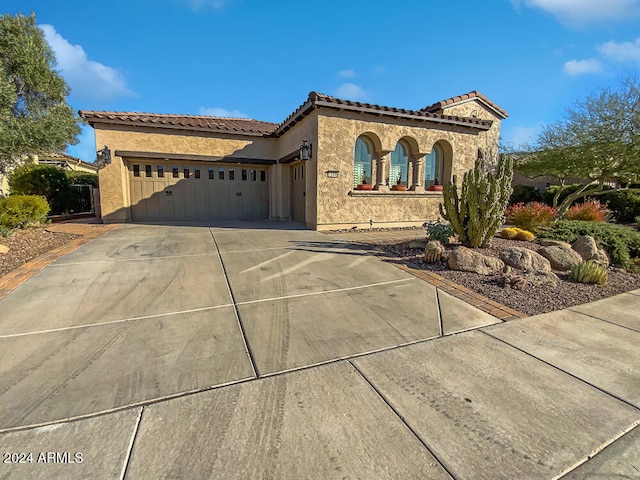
column 331, row 164
column 62, row 160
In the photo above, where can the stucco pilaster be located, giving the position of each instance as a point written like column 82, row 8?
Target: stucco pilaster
column 418, row 172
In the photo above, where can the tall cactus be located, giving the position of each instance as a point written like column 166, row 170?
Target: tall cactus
column 477, row 214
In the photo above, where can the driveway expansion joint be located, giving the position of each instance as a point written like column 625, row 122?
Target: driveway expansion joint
column 402, row 420
column 586, row 382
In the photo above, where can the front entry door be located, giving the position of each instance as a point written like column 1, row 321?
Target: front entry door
column 298, row 192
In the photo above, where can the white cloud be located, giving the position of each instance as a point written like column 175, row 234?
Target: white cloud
column 89, row 80
column 85, row 149
column 350, row 73
column 582, row 67
column 585, row 12
column 222, row 112
column 621, row 51
column 351, row 91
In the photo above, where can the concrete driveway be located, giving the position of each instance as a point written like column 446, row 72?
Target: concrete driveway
column 268, row 351
column 147, row 312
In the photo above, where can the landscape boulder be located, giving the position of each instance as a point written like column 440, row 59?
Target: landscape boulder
column 524, row 259
column 560, row 257
column 3, row 249
column 540, row 278
column 588, row 249
column 547, row 242
column 468, row 260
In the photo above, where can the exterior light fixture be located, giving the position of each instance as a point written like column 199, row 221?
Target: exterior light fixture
column 305, row 150
column 104, row 156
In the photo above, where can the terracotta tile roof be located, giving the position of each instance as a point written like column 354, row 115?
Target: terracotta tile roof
column 241, row 126
column 438, row 106
column 316, row 100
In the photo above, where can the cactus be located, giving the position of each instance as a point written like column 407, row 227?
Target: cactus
column 478, row 212
column 509, row 233
column 525, row 235
column 433, row 251
column 589, row 272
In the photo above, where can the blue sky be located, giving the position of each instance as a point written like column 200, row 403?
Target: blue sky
column 260, row 59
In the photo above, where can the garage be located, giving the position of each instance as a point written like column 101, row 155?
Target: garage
column 171, row 191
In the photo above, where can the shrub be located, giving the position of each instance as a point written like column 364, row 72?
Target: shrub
column 17, row 211
column 83, row 178
column 43, row 180
column 624, row 206
column 637, row 220
column 524, row 194
column 530, row 216
column 5, row 231
column 621, row 242
column 589, row 211
column 589, row 272
column 440, row 231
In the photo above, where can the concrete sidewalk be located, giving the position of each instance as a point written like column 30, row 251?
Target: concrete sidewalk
column 304, row 390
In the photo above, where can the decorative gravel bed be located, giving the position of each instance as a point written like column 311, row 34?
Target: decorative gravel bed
column 531, row 300
column 25, row 245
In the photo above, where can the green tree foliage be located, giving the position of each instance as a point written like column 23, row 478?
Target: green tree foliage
column 477, row 213
column 34, row 114
column 43, row 180
column 598, row 141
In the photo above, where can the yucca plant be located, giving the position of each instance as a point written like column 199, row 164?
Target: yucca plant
column 589, row 272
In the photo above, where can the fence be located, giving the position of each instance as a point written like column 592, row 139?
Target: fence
column 81, row 199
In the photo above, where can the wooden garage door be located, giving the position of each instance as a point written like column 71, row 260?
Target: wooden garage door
column 166, row 192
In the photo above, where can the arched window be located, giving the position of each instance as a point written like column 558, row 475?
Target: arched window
column 362, row 162
column 433, row 166
column 399, row 167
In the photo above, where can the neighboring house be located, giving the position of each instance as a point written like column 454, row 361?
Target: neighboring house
column 171, row 168
column 62, row 160
column 66, row 162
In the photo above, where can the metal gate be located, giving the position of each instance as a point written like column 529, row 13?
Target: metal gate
column 81, row 199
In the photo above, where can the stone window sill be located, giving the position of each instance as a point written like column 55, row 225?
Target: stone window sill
column 393, row 193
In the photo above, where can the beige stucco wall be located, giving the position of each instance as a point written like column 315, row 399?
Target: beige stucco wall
column 329, row 202
column 114, row 181
column 340, row 207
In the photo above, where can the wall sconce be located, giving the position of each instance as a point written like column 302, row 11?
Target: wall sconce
column 305, row 150
column 104, row 156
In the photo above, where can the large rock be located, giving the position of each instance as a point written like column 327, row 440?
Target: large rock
column 540, row 278
column 588, row 249
column 560, row 257
column 3, row 249
column 468, row 260
column 547, row 242
column 524, row 259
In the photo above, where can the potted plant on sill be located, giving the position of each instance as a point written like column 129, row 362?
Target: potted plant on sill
column 364, row 185
column 398, row 187
column 436, row 187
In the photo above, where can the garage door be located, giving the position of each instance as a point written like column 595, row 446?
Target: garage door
column 165, row 192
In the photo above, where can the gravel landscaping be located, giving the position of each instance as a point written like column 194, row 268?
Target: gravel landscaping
column 25, row 245
column 531, row 300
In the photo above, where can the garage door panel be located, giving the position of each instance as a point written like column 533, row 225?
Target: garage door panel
column 169, row 192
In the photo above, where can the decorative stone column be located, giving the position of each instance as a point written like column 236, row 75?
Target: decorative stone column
column 382, row 170
column 418, row 172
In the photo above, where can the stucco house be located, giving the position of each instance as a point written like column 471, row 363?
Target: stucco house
column 62, row 160
column 331, row 164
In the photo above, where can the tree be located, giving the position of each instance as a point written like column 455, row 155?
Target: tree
column 597, row 141
column 34, row 114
